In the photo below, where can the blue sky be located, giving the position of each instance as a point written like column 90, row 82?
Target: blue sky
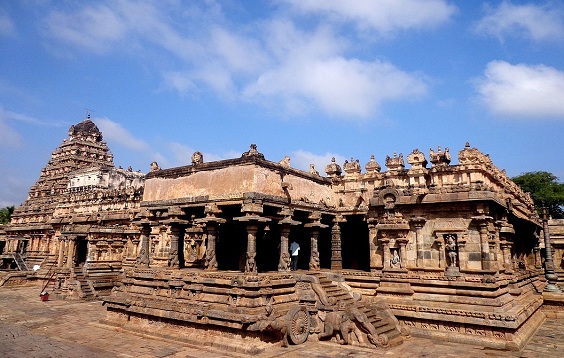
column 307, row 79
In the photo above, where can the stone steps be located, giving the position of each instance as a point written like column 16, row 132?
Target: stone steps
column 382, row 321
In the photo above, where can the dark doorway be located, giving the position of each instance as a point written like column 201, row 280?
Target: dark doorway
column 354, row 243
column 81, row 250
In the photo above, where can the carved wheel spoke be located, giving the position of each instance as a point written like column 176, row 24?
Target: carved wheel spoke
column 298, row 325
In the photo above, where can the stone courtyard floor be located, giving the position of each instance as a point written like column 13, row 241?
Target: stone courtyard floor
column 57, row 328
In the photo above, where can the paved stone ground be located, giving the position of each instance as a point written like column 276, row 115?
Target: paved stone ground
column 56, row 328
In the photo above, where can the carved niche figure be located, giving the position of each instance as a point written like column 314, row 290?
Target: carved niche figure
column 395, row 260
column 451, row 249
column 197, row 158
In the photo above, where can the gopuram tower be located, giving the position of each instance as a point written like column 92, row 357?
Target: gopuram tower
column 84, row 149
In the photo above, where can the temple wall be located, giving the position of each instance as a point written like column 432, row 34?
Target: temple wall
column 236, row 180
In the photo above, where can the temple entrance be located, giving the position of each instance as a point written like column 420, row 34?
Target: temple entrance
column 81, row 250
column 268, row 248
column 354, row 243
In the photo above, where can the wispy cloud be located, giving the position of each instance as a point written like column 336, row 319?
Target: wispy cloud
column 301, row 159
column 271, row 62
column 522, row 91
column 95, row 28
column 118, row 135
column 9, row 137
column 7, row 26
column 311, row 73
column 384, row 16
column 534, row 21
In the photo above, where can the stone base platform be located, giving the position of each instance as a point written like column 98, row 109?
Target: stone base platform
column 248, row 313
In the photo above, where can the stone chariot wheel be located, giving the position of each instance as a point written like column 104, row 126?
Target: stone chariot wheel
column 298, row 325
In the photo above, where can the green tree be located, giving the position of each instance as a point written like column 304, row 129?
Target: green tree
column 545, row 190
column 6, row 214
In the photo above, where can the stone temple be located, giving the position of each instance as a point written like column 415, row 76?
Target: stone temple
column 201, row 252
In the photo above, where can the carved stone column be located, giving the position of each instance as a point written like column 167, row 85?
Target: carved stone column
column 482, row 222
column 314, row 258
column 314, row 227
column 251, row 264
column 336, row 253
column 212, row 222
column 211, row 258
column 284, row 260
column 62, row 249
column 418, row 223
column 71, row 250
column 402, row 241
column 550, row 273
column 173, row 254
column 143, row 256
column 286, row 224
column 253, row 210
column 440, row 243
column 375, row 256
column 385, row 241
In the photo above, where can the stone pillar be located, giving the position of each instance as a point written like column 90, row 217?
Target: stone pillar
column 375, row 256
column 440, row 243
column 506, row 251
column 284, row 261
column 173, row 253
column 336, row 258
column 314, row 258
column 549, row 271
column 286, row 224
column 62, row 249
column 314, row 227
column 211, row 258
column 143, row 256
column 402, row 241
column 418, row 223
column 251, row 264
column 482, row 222
column 71, row 251
column 386, row 250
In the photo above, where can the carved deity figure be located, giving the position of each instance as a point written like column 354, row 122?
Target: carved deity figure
column 285, row 162
column 197, row 158
column 451, row 247
column 395, row 260
column 312, row 170
column 155, row 167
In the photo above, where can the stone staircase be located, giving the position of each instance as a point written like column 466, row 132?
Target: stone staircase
column 385, row 326
column 22, row 266
column 85, row 291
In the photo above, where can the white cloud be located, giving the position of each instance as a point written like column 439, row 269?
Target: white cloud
column 94, row 28
column 118, row 135
column 522, row 90
column 536, row 21
column 338, row 86
column 271, row 63
column 7, row 26
column 301, row 159
column 9, row 137
column 383, row 16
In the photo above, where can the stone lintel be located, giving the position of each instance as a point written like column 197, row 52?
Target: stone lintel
column 289, row 221
column 252, row 218
column 316, row 225
column 209, row 220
